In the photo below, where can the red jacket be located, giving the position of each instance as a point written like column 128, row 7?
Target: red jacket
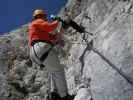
column 39, row 29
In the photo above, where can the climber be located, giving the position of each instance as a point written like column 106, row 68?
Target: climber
column 42, row 41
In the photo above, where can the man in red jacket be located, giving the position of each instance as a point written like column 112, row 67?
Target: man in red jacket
column 41, row 41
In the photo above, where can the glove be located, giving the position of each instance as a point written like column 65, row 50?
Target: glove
column 53, row 17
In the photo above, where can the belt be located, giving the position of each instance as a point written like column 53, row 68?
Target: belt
column 36, row 41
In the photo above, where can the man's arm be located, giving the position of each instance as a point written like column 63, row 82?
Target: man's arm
column 46, row 26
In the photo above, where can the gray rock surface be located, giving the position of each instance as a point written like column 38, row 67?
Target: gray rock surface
column 111, row 23
column 101, row 70
column 20, row 79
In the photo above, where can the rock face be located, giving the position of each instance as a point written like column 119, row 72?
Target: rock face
column 20, row 79
column 108, row 63
column 98, row 67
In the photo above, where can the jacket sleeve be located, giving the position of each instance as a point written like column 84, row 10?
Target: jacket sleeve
column 46, row 26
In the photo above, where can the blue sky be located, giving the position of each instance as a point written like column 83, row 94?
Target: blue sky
column 14, row 13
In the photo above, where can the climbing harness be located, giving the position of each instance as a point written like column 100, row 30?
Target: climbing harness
column 44, row 55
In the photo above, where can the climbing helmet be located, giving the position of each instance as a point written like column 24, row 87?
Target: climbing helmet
column 38, row 12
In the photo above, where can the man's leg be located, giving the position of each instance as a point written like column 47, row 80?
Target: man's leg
column 56, row 74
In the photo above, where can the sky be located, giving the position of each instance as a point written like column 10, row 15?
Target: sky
column 14, row 13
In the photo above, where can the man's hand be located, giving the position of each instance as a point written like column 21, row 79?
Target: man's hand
column 53, row 17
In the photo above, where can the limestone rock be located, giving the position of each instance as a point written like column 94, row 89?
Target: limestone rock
column 106, row 62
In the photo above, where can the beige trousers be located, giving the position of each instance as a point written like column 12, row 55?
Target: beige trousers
column 52, row 63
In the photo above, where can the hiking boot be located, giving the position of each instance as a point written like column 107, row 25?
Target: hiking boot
column 56, row 96
column 53, row 96
column 68, row 97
